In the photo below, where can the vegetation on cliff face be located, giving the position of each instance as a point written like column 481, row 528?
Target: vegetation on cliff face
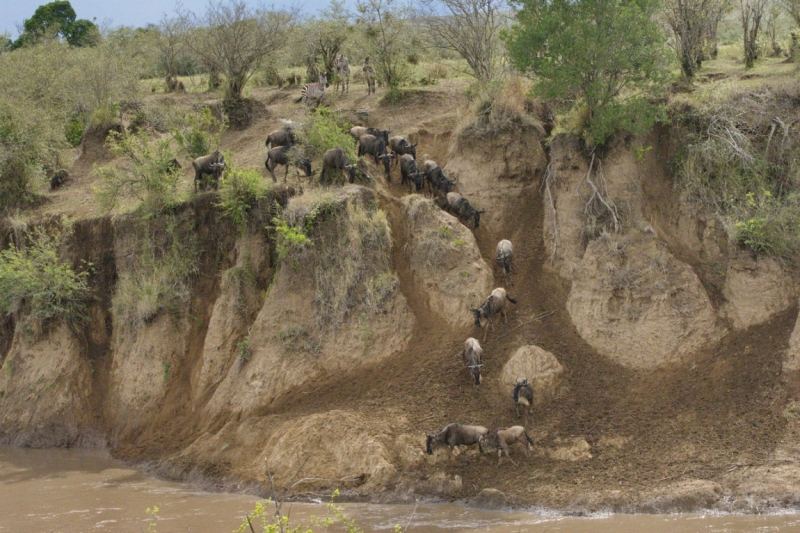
column 37, row 285
column 738, row 159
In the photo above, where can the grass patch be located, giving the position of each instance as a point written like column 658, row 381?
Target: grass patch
column 159, row 279
column 350, row 258
column 499, row 106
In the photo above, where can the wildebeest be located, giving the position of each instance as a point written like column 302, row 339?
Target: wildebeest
column 461, row 207
column 358, row 131
column 495, row 303
column 454, row 435
column 335, row 158
column 410, row 173
column 400, row 146
column 212, row 165
column 437, row 181
column 472, row 357
column 523, row 397
column 500, row 440
column 504, row 253
column 376, row 147
column 284, row 155
column 58, row 179
column 282, row 137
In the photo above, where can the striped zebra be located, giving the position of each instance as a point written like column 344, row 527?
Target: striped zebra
column 313, row 92
column 342, row 69
column 369, row 74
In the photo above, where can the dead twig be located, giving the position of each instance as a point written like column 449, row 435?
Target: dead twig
column 550, row 175
column 412, row 516
column 531, row 321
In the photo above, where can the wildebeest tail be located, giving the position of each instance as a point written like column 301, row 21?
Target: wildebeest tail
column 507, row 267
column 510, row 299
column 528, row 437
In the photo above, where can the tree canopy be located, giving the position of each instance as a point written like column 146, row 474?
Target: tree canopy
column 608, row 55
column 58, row 19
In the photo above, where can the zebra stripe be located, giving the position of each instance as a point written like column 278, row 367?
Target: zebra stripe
column 342, row 69
column 313, row 92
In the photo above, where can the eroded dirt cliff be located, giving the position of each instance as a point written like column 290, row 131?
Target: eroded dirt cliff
column 664, row 359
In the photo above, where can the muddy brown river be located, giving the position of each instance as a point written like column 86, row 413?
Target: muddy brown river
column 80, row 491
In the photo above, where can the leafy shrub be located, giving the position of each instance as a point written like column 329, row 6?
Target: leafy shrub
column 328, row 129
column 73, row 130
column 199, row 134
column 148, row 175
column 291, row 239
column 35, row 283
column 239, row 192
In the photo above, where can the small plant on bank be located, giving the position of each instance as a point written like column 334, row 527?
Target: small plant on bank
column 290, row 238
column 200, row 133
column 328, row 129
column 239, row 192
column 37, row 285
column 147, row 176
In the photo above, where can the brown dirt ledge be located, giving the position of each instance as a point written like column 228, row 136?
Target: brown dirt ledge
column 710, row 423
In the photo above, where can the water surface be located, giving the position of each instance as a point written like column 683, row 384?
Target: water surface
column 80, row 491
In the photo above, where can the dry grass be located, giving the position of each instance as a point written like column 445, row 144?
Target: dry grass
column 350, row 256
column 435, row 245
column 504, row 105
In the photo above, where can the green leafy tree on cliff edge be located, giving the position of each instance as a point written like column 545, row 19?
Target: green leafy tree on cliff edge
column 606, row 55
column 58, row 19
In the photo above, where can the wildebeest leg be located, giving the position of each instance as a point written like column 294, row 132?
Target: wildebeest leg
column 486, row 328
column 286, row 173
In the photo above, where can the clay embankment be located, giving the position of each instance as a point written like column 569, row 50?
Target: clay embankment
column 659, row 386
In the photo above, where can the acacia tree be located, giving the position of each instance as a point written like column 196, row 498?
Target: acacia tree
column 326, row 36
column 608, row 55
column 792, row 8
column 694, row 22
column 170, row 45
column 471, row 28
column 752, row 11
column 234, row 39
column 387, row 32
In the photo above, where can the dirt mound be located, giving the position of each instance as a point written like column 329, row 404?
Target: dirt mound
column 638, row 305
column 539, row 367
column 316, row 319
column 445, row 261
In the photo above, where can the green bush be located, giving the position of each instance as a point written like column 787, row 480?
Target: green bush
column 328, row 129
column 291, row 239
column 199, row 134
column 239, row 192
column 148, row 177
column 73, row 130
column 35, row 283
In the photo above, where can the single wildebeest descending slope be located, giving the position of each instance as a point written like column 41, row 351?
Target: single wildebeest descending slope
column 463, row 209
column 473, row 358
column 210, row 165
column 494, row 304
column 286, row 155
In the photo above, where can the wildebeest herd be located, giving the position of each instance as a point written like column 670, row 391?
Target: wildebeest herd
column 283, row 150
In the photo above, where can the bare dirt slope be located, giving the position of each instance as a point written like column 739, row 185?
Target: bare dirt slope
column 675, row 436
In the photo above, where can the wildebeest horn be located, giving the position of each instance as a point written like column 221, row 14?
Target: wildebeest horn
column 482, row 211
column 455, row 180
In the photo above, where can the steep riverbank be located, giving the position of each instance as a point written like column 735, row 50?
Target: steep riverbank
column 658, row 352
